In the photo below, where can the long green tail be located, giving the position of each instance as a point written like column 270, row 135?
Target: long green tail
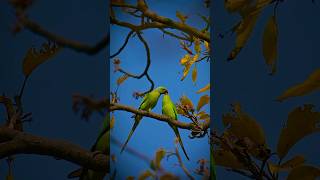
column 176, row 131
column 136, row 123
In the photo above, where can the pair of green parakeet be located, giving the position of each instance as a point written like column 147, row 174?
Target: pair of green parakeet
column 168, row 108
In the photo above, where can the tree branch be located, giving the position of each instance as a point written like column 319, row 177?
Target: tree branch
column 179, row 124
column 164, row 20
column 14, row 142
column 77, row 46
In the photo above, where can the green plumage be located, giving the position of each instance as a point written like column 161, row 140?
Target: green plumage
column 148, row 103
column 169, row 109
column 102, row 145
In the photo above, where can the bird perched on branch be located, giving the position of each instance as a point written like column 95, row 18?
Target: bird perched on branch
column 148, row 103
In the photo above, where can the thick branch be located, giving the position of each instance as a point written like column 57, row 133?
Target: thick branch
column 80, row 47
column 164, row 20
column 14, row 142
column 179, row 124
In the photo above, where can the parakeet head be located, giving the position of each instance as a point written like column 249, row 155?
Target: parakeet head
column 162, row 90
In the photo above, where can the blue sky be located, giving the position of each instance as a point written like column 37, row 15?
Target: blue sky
column 166, row 71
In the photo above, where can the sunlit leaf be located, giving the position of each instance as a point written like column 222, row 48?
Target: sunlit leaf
column 270, row 43
column 185, row 101
column 194, row 74
column 181, row 17
column 302, row 121
column 35, row 57
column 311, row 84
column 227, row 159
column 206, row 88
column 186, row 58
column 146, row 174
column 305, row 172
column 205, row 99
column 122, row 78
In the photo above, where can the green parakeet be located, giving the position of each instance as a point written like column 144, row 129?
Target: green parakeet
column 102, row 145
column 148, row 103
column 169, row 109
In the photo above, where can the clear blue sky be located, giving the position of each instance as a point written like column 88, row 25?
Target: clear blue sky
column 166, row 71
column 246, row 80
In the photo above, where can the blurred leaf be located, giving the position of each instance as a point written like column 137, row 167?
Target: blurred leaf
column 207, row 46
column 206, row 88
column 112, row 121
column 121, row 79
column 243, row 126
column 212, row 164
column 7, row 102
column 227, row 159
column 195, row 58
column 197, row 46
column 288, row 165
column 194, row 74
column 168, row 176
column 243, row 31
column 205, row 99
column 270, row 42
column 311, row 84
column 302, row 121
column 34, row 58
column 181, row 17
column 235, row 5
column 145, row 175
column 203, row 115
column 9, row 177
column 160, row 154
column 130, row 178
column 185, row 101
column 305, row 172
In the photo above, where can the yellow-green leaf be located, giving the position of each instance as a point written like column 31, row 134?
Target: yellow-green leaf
column 305, row 172
column 206, row 88
column 270, row 43
column 121, row 79
column 194, row 74
column 207, row 46
column 302, row 121
column 145, row 175
column 312, row 83
column 35, row 57
column 203, row 101
column 197, row 46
